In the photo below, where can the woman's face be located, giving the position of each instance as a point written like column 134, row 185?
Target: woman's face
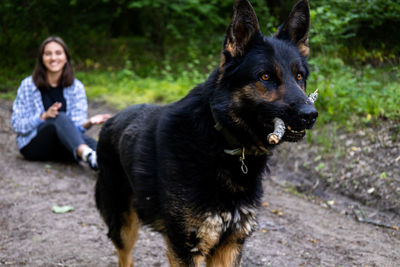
column 54, row 57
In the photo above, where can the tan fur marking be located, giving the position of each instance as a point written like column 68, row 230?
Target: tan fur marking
column 225, row 255
column 255, row 92
column 263, row 93
column 172, row 258
column 231, row 48
column 209, row 232
column 129, row 236
column 209, row 228
column 260, row 88
column 303, row 49
column 221, row 67
column 174, row 261
column 222, row 62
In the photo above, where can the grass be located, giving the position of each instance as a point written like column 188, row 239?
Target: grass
column 123, row 88
column 348, row 94
column 9, row 82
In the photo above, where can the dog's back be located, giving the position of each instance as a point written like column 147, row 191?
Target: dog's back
column 121, row 137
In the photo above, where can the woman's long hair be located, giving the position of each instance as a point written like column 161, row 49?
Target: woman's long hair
column 40, row 72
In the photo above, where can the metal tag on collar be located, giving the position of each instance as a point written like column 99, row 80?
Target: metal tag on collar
column 244, row 168
column 233, row 152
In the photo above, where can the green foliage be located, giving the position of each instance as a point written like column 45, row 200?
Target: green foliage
column 123, row 87
column 168, row 28
column 133, row 51
column 355, row 27
column 348, row 92
column 9, row 82
column 25, row 24
column 348, row 95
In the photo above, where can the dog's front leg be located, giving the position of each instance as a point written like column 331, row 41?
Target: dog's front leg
column 190, row 260
column 228, row 254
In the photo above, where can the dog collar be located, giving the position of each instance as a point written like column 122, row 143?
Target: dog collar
column 238, row 148
column 232, row 141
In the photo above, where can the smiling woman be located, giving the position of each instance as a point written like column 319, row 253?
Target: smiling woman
column 53, row 65
column 54, row 59
column 50, row 110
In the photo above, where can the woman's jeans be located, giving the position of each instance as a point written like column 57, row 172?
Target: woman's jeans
column 57, row 139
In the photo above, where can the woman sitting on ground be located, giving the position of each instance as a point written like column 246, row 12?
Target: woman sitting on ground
column 50, row 111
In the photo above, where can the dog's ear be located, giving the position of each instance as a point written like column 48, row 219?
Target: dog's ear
column 243, row 27
column 297, row 27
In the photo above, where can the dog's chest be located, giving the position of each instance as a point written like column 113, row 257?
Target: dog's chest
column 239, row 224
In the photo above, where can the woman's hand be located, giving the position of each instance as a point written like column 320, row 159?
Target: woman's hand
column 95, row 120
column 52, row 112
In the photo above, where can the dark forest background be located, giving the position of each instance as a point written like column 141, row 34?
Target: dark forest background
column 111, row 32
column 156, row 50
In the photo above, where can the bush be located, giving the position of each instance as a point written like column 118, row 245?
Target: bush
column 348, row 93
column 361, row 29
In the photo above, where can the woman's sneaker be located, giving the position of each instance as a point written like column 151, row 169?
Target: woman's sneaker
column 91, row 159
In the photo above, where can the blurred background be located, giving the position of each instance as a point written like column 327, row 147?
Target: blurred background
column 131, row 51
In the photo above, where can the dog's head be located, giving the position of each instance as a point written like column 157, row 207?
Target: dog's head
column 261, row 78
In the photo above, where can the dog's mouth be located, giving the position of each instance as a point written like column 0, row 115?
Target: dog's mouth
column 280, row 131
column 306, row 118
column 292, row 135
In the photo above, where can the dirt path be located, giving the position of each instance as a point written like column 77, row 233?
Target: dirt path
column 292, row 231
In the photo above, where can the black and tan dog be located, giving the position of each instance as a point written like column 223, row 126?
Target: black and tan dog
column 192, row 170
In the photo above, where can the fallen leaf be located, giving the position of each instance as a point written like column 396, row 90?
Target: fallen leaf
column 62, row 209
column 265, row 204
column 314, row 241
column 277, row 212
column 371, row 190
column 383, row 175
column 331, row 202
column 395, row 228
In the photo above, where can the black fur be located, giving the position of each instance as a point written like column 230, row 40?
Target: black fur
column 168, row 162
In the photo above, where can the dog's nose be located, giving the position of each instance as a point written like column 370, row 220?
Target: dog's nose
column 308, row 115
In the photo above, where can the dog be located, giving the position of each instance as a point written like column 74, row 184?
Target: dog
column 192, row 170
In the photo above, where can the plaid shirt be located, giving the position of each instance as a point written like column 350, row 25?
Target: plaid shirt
column 28, row 107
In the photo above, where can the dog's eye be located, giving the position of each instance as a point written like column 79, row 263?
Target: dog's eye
column 299, row 76
column 265, row 77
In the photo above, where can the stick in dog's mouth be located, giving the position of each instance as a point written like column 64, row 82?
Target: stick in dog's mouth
column 279, row 125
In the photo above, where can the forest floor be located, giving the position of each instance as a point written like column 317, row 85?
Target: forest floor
column 312, row 206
